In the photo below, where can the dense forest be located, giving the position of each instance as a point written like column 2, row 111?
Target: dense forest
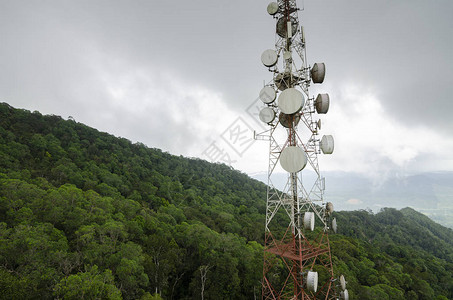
column 86, row 215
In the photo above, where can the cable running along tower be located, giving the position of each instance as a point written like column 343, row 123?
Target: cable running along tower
column 297, row 259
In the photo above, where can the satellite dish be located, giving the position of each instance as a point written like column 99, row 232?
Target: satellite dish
column 272, row 8
column 344, row 295
column 285, row 80
column 269, row 58
column 309, row 220
column 319, row 124
column 289, row 121
column 334, row 225
column 318, row 72
column 342, row 282
column 293, row 159
column 329, row 208
column 291, row 101
column 267, row 115
column 282, row 26
column 312, row 281
column 327, row 144
column 267, row 94
column 322, row 103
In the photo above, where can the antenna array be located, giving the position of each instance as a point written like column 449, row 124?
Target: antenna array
column 297, row 262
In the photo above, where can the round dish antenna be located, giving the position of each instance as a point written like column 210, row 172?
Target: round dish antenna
column 269, row 58
column 272, row 8
column 291, row 101
column 309, row 220
column 329, row 208
column 343, row 282
column 289, row 121
column 267, row 94
column 287, row 55
column 267, row 115
column 312, row 281
column 318, row 72
column 293, row 159
column 327, row 144
column 282, row 26
column 322, row 103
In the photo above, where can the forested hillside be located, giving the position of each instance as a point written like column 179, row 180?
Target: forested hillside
column 86, row 215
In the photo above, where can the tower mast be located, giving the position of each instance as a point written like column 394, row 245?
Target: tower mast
column 299, row 256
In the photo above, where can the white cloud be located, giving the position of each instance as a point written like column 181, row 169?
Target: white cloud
column 370, row 141
column 180, row 87
column 156, row 108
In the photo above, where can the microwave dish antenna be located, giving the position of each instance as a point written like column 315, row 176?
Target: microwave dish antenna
column 291, row 101
column 269, row 58
column 272, row 8
column 293, row 159
column 289, row 121
column 267, row 115
column 322, row 103
column 267, row 94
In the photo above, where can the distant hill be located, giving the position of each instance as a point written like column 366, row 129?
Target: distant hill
column 429, row 193
column 391, row 242
column 84, row 214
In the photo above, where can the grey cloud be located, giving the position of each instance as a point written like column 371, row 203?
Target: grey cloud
column 401, row 48
column 51, row 52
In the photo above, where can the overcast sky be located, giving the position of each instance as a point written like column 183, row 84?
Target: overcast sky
column 183, row 75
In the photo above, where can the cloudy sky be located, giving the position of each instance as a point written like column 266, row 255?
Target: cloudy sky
column 182, row 76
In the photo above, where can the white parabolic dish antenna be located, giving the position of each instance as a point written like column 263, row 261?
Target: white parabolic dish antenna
column 334, row 225
column 329, row 207
column 287, row 55
column 269, row 58
column 309, row 220
column 267, row 94
column 267, row 115
column 282, row 26
column 318, row 72
column 272, row 8
column 312, row 281
column 293, row 159
column 327, row 144
column 289, row 121
column 291, row 101
column 322, row 103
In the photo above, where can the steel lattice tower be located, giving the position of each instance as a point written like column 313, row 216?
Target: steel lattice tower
column 297, row 258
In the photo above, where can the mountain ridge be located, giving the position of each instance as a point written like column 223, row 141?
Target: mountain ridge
column 85, row 213
column 428, row 192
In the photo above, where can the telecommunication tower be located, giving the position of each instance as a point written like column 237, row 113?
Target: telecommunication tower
column 297, row 260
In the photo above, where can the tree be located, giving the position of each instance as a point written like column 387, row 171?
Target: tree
column 203, row 276
column 91, row 284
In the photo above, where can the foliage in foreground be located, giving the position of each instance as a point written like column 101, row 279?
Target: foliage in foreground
column 85, row 215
